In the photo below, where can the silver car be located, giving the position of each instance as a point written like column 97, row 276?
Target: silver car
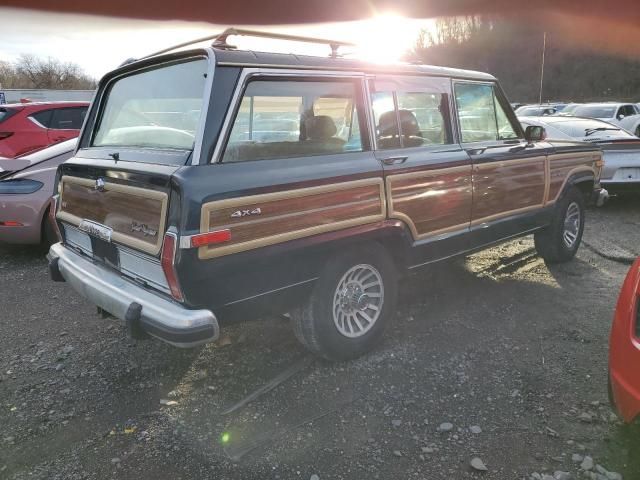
column 26, row 187
column 621, row 149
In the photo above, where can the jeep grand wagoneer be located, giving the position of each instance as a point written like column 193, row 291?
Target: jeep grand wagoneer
column 213, row 184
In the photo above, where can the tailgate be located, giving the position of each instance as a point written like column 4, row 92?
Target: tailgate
column 133, row 216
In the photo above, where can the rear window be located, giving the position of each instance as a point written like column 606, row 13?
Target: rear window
column 577, row 128
column 5, row 113
column 595, row 111
column 157, row 108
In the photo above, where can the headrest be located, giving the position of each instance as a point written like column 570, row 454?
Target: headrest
column 409, row 123
column 388, row 126
column 320, row 127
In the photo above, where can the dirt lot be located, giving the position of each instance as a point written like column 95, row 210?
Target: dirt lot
column 497, row 340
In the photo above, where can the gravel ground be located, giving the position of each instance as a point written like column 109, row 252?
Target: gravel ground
column 494, row 359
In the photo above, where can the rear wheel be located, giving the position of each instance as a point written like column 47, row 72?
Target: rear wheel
column 559, row 241
column 350, row 305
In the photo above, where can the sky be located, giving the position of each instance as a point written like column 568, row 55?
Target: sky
column 100, row 44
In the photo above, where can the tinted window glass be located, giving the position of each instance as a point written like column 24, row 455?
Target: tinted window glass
column 68, row 118
column 505, row 128
column 476, row 112
column 423, row 115
column 43, row 118
column 384, row 113
column 595, row 111
column 482, row 116
column 579, row 128
column 157, row 108
column 5, row 113
column 283, row 119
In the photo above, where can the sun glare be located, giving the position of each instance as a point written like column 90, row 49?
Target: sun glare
column 386, row 38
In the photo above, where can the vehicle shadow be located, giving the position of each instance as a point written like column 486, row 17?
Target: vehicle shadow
column 468, row 333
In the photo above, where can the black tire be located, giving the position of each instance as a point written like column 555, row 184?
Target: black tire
column 550, row 242
column 316, row 325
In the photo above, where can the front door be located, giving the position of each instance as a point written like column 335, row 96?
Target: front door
column 509, row 174
column 427, row 175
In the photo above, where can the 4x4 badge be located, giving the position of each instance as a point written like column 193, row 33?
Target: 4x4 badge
column 246, row 213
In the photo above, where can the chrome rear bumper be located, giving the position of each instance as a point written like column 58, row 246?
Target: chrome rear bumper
column 128, row 301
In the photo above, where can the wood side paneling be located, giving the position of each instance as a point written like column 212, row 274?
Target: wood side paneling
column 502, row 187
column 292, row 214
column 136, row 215
column 562, row 166
column 432, row 201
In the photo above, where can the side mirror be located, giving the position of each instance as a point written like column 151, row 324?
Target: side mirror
column 535, row 133
column 620, row 117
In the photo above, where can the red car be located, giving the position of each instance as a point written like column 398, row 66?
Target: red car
column 624, row 349
column 25, row 127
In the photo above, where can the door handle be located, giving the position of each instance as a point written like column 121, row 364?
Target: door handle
column 476, row 151
column 394, row 160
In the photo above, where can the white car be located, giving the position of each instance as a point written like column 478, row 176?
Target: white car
column 626, row 115
column 620, row 149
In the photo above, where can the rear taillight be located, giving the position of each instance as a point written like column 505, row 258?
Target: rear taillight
column 4, row 135
column 210, row 238
column 167, row 259
column 10, row 223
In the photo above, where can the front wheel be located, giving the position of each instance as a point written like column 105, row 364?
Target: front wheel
column 350, row 305
column 559, row 241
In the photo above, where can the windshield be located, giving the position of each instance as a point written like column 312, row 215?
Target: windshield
column 595, row 111
column 591, row 128
column 157, row 108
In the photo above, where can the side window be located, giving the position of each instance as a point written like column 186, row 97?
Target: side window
column 482, row 117
column 43, row 118
column 68, row 118
column 284, row 119
column 423, row 118
column 505, row 128
column 628, row 110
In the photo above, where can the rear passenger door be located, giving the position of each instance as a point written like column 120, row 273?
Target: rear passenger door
column 509, row 174
column 427, row 175
column 65, row 123
column 295, row 162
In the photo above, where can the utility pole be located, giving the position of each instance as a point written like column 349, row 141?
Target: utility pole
column 544, row 49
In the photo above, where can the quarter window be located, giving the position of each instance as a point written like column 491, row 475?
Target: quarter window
column 284, row 119
column 43, row 118
column 482, row 117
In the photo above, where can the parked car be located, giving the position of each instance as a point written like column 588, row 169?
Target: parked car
column 26, row 186
column 536, row 110
column 621, row 149
column 625, row 115
column 624, row 349
column 26, row 127
column 568, row 110
column 186, row 230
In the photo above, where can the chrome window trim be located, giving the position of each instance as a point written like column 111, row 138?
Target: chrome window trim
column 204, row 111
column 244, row 79
column 36, row 122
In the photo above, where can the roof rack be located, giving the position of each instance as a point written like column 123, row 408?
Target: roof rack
column 220, row 40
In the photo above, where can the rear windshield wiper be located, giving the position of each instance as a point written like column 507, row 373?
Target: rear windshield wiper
column 591, row 131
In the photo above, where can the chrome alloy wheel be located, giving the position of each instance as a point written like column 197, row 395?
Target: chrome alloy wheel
column 572, row 220
column 357, row 301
